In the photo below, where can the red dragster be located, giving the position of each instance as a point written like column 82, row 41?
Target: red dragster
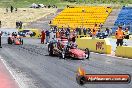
column 15, row 40
column 63, row 48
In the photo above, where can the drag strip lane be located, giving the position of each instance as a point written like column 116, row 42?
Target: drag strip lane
column 52, row 71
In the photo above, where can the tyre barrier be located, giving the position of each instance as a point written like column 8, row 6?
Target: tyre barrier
column 124, row 51
column 95, row 45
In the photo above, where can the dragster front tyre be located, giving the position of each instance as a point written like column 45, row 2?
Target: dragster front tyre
column 81, row 80
column 87, row 52
column 50, row 49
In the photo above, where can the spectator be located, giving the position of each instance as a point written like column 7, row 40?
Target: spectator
column 62, row 32
column 67, row 6
column 127, row 33
column 57, row 34
column 49, row 6
column 110, row 31
column 100, row 26
column 7, row 10
column 53, row 6
column 42, row 37
column 74, row 33
column 84, row 31
column 94, row 31
column 107, row 11
column 67, row 33
column 0, row 24
column 79, row 30
column 52, row 33
column 17, row 24
column 12, row 9
column 68, row 29
column 55, row 28
column 20, row 23
column 89, row 31
column 119, row 36
column 15, row 9
column 107, row 31
column 50, row 22
column 47, row 36
column 0, row 38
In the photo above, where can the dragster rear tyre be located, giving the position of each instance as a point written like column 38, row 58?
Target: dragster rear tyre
column 50, row 49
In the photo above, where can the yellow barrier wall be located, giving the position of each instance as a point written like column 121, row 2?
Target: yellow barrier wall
column 95, row 45
column 124, row 51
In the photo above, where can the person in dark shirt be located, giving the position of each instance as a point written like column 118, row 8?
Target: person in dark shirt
column 107, row 31
column 79, row 30
column 17, row 24
column 68, row 29
column 20, row 24
column 0, row 24
column 67, row 33
column 84, row 31
column 47, row 36
column 12, row 9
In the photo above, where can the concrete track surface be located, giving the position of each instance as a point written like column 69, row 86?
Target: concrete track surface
column 31, row 67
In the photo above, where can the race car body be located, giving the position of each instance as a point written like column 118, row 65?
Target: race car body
column 15, row 40
column 55, row 47
column 77, row 53
column 62, row 49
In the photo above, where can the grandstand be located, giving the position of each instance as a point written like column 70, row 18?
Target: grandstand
column 124, row 18
column 82, row 16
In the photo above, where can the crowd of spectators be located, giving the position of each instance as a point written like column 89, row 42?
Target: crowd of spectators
column 11, row 9
column 56, row 32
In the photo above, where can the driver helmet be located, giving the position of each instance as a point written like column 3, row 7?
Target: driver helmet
column 74, row 45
